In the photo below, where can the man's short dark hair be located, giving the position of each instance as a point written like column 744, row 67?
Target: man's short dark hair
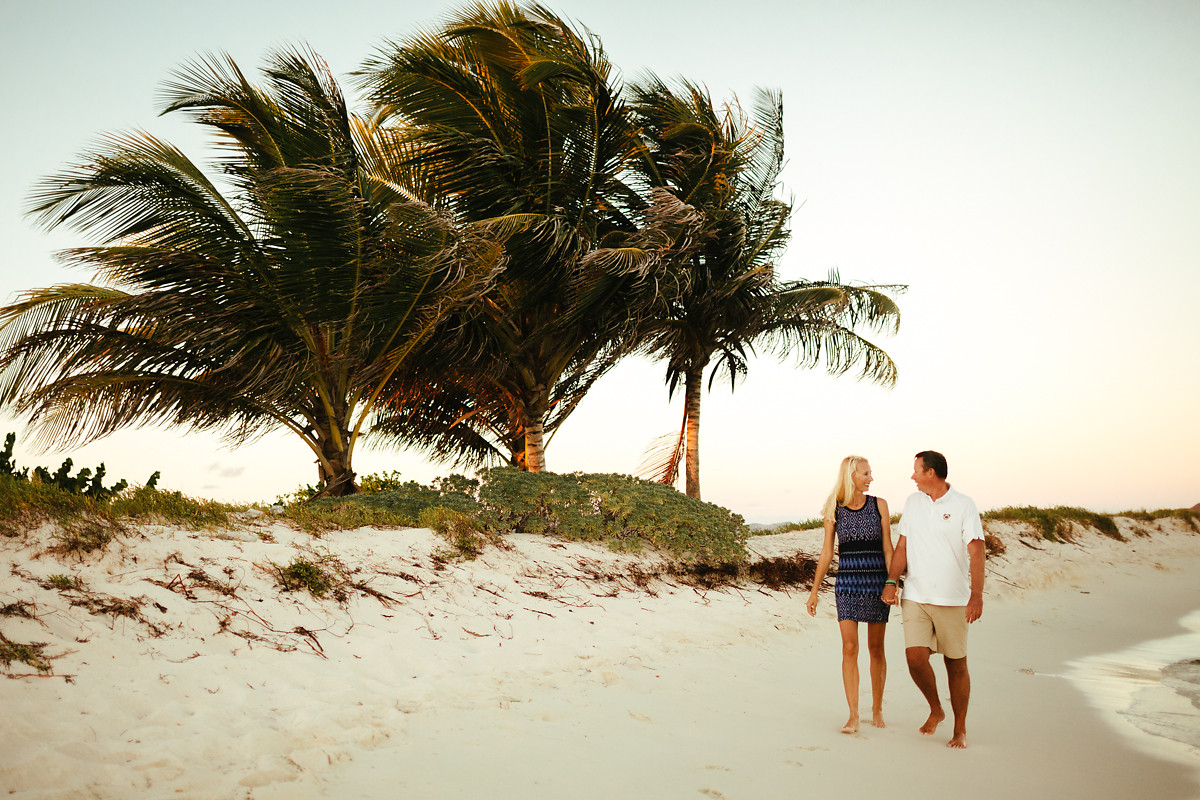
column 935, row 461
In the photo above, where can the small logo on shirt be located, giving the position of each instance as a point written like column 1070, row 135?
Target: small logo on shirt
column 945, row 516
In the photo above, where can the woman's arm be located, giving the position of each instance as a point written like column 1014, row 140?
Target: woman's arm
column 822, row 567
column 885, row 522
column 891, row 594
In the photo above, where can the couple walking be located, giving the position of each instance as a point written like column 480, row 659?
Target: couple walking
column 940, row 548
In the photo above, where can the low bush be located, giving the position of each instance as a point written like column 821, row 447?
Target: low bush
column 626, row 513
column 302, row 574
column 465, row 536
column 30, row 654
column 86, row 482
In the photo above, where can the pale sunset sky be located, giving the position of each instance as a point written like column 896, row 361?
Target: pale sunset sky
column 1031, row 170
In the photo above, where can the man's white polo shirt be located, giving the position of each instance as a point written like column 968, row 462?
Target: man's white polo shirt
column 936, row 534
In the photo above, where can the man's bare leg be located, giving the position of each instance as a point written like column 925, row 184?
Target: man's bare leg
column 922, row 674
column 875, row 633
column 960, row 695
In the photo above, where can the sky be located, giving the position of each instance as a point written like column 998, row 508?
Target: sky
column 1029, row 170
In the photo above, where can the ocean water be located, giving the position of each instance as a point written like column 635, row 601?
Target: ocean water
column 1150, row 692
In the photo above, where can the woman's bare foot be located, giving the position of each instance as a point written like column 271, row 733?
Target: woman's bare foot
column 877, row 719
column 851, row 725
column 935, row 717
column 959, row 742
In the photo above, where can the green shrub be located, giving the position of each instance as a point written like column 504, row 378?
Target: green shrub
column 30, row 654
column 63, row 583
column 84, row 483
column 397, row 507
column 466, row 537
column 301, row 574
column 627, row 513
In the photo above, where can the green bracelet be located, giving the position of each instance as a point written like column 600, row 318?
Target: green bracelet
column 893, row 583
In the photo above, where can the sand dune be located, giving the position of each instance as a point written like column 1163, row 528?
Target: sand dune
column 544, row 670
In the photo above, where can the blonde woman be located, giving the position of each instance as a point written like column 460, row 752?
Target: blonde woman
column 861, row 525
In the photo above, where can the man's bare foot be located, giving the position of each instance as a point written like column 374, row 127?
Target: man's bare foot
column 959, row 742
column 935, row 717
column 877, row 719
column 851, row 725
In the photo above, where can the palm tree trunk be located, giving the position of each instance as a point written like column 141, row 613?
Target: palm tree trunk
column 535, row 446
column 692, row 413
column 333, row 468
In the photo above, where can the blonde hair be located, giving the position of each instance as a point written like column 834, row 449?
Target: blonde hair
column 843, row 490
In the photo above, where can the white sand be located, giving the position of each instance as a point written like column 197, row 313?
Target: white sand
column 522, row 675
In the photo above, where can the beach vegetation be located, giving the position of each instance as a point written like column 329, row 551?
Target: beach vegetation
column 148, row 504
column 85, row 535
column 624, row 512
column 993, row 545
column 87, row 523
column 19, row 608
column 63, row 583
column 31, row 654
column 724, row 299
column 465, row 536
column 85, row 482
column 129, row 608
column 305, row 575
column 1055, row 524
column 812, row 523
column 1190, row 516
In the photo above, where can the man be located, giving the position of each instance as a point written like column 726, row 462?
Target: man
column 941, row 545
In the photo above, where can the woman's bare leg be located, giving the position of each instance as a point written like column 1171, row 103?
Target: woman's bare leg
column 849, row 630
column 875, row 633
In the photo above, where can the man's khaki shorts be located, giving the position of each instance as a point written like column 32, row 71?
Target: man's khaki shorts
column 943, row 629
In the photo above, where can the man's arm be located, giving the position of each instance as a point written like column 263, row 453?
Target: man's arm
column 899, row 562
column 975, row 551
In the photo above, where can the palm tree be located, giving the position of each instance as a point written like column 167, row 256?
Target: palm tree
column 509, row 118
column 284, row 293
column 727, row 299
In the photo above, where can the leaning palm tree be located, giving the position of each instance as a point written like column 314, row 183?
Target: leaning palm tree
column 726, row 298
column 284, row 293
column 509, row 117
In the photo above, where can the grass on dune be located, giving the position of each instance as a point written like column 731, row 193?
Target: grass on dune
column 87, row 523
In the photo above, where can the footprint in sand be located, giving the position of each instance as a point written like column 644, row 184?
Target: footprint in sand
column 718, row 767
column 639, row 717
column 712, row 793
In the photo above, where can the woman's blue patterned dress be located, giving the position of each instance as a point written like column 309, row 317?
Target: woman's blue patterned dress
column 862, row 569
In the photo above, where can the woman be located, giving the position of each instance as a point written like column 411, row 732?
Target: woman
column 864, row 540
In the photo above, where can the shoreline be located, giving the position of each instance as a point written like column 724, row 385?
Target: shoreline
column 1150, row 692
column 527, row 674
